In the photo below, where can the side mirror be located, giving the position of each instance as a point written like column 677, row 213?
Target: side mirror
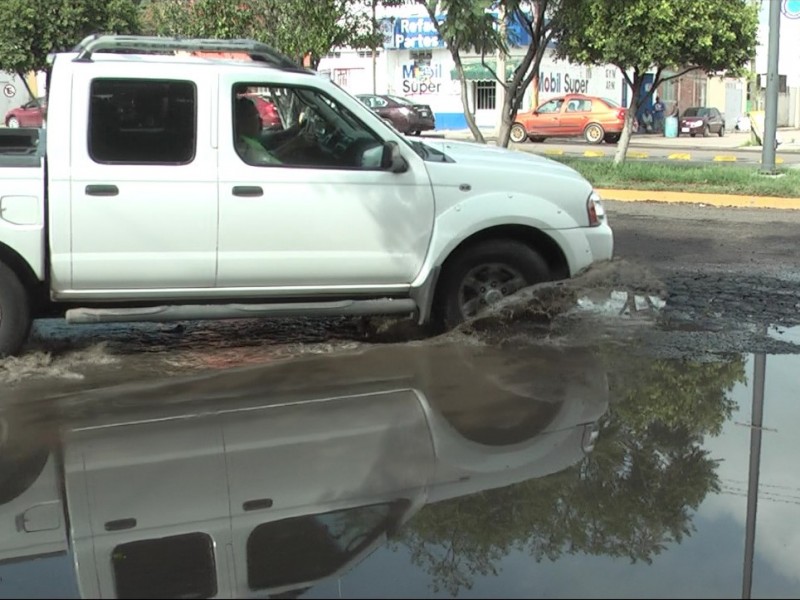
column 392, row 160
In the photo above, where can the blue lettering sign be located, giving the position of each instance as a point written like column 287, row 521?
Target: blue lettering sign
column 416, row 33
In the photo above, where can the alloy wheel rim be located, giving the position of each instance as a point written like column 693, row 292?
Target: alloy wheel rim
column 486, row 285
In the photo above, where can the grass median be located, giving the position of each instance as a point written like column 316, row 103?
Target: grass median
column 720, row 179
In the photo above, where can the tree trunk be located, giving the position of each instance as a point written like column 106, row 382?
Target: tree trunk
column 504, row 132
column 627, row 130
column 473, row 127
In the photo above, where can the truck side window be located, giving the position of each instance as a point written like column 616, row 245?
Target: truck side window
column 300, row 127
column 307, row 548
column 142, row 121
column 180, row 566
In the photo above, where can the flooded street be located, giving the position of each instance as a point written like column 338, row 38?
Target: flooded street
column 621, row 434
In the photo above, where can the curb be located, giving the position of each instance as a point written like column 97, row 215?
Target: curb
column 719, row 200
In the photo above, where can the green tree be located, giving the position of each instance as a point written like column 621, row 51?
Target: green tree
column 632, row 496
column 536, row 17
column 469, row 26
column 465, row 26
column 297, row 28
column 32, row 29
column 643, row 36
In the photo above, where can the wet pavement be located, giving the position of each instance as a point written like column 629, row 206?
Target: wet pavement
column 596, row 438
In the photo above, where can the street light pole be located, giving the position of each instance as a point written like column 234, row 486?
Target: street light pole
column 769, row 141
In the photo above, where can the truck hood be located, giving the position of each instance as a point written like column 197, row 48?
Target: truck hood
column 483, row 154
column 490, row 170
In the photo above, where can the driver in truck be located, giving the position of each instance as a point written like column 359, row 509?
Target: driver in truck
column 247, row 123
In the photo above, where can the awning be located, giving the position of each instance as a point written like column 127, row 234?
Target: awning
column 475, row 71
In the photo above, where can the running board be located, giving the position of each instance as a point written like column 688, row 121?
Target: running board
column 193, row 312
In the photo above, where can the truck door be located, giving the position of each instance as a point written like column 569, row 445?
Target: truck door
column 312, row 206
column 325, row 479
column 143, row 192
column 149, row 510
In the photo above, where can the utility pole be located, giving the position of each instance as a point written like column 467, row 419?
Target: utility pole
column 769, row 140
column 374, row 47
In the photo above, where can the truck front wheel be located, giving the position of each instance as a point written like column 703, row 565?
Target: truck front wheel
column 483, row 274
column 15, row 315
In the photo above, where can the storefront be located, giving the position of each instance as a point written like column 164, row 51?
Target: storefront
column 415, row 63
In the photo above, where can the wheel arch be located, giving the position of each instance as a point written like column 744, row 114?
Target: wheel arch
column 532, row 237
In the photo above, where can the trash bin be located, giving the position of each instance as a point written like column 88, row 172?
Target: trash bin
column 671, row 127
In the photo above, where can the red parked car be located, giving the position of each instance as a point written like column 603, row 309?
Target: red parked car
column 30, row 114
column 270, row 119
column 574, row 115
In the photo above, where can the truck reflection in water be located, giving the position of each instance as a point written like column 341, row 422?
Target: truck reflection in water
column 265, row 481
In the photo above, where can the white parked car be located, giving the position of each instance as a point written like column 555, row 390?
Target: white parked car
column 156, row 195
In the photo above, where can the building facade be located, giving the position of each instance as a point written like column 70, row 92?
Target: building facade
column 415, row 63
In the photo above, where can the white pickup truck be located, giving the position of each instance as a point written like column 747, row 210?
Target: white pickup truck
column 193, row 179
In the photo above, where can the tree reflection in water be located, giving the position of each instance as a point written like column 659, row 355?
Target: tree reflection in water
column 631, row 497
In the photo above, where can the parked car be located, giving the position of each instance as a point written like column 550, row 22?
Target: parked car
column 30, row 114
column 270, row 119
column 574, row 115
column 703, row 120
column 406, row 115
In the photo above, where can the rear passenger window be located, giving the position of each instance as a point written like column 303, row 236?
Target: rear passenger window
column 142, row 121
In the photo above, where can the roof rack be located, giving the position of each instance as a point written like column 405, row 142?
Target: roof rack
column 140, row 44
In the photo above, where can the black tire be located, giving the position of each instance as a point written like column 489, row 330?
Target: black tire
column 594, row 133
column 518, row 133
column 537, row 139
column 15, row 316
column 612, row 138
column 692, row 134
column 523, row 259
column 706, row 131
column 721, row 131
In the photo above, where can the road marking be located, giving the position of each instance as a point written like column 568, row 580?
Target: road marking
column 680, row 156
column 637, row 154
column 554, row 152
column 720, row 200
column 778, row 160
column 594, row 153
column 724, row 158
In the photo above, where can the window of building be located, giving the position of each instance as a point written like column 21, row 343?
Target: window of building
column 485, row 95
column 367, row 53
column 423, row 56
column 142, row 121
column 180, row 566
column 300, row 127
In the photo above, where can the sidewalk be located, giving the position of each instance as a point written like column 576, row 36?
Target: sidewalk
column 735, row 140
